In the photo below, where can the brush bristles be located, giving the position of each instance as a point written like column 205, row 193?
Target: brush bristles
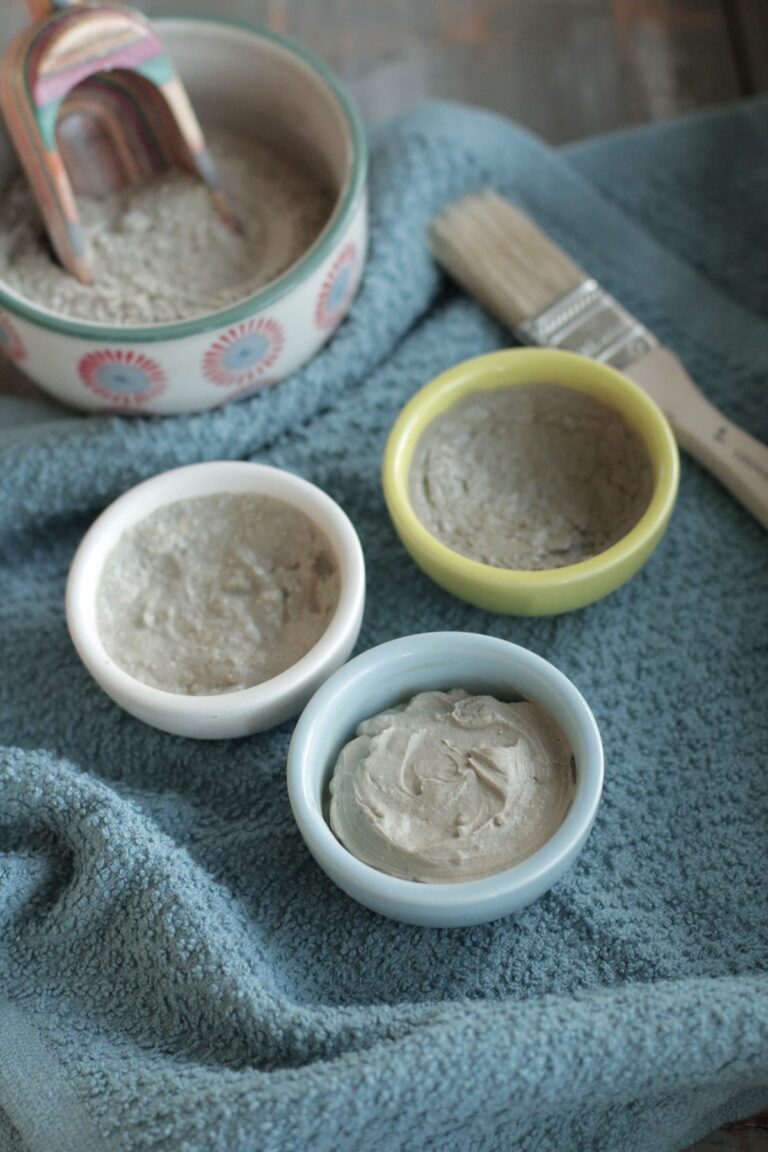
column 499, row 255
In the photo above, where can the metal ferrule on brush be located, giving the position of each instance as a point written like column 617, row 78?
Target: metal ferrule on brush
column 589, row 321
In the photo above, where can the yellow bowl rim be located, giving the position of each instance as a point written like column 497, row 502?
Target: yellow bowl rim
column 518, row 367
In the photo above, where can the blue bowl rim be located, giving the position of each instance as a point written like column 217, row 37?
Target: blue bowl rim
column 516, row 885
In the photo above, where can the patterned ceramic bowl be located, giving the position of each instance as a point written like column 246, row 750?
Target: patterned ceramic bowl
column 239, row 75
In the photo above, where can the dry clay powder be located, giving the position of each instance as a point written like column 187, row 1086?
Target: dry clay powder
column 530, row 478
column 160, row 250
column 216, row 593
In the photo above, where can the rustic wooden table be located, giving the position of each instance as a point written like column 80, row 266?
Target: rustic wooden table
column 564, row 68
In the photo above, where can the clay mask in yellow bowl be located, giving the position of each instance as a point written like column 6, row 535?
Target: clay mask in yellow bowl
column 531, row 481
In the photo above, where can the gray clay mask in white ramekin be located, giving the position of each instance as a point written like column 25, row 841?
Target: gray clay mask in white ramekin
column 247, row 710
column 237, row 76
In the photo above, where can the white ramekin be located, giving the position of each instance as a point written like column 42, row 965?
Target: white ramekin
column 394, row 672
column 230, row 713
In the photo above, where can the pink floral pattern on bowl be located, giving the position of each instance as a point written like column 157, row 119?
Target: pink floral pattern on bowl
column 11, row 344
column 240, row 356
column 126, row 379
column 338, row 288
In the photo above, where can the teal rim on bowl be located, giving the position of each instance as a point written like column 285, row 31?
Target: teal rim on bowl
column 393, row 672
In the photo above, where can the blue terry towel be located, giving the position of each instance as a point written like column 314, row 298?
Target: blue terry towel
column 177, row 972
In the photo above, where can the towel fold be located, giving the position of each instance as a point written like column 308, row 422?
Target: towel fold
column 177, row 973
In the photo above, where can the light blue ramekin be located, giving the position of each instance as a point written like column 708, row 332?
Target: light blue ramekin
column 393, row 672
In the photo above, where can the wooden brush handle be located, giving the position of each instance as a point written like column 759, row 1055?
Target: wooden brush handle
column 738, row 460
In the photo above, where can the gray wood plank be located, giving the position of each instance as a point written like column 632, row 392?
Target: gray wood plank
column 679, row 54
column 564, row 68
column 748, row 21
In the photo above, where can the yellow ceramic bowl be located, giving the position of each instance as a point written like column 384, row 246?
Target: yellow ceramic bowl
column 532, row 593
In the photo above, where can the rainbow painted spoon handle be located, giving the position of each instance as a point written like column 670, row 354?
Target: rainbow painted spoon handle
column 90, row 72
column 40, row 8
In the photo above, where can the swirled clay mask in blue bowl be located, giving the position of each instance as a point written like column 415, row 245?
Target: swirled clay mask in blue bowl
column 446, row 778
column 449, row 787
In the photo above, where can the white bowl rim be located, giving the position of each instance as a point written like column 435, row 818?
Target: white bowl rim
column 263, row 298
column 104, row 533
column 415, row 896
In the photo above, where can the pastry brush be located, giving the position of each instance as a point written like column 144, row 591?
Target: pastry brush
column 521, row 276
